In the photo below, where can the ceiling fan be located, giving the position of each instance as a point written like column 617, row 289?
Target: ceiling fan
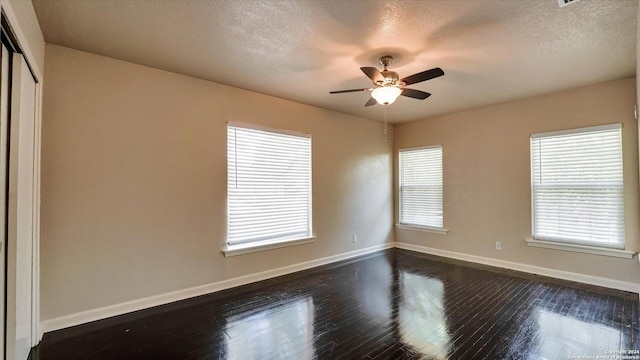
column 388, row 85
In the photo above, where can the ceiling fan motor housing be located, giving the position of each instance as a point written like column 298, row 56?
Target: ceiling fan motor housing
column 390, row 77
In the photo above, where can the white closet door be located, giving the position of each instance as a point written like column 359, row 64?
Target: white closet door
column 21, row 209
column 4, row 120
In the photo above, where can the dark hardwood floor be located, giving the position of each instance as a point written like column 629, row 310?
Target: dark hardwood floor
column 395, row 304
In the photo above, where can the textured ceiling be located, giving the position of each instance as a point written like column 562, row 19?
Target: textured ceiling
column 491, row 51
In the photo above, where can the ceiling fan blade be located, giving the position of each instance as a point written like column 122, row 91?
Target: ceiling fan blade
column 347, row 91
column 373, row 74
column 371, row 102
column 416, row 94
column 423, row 76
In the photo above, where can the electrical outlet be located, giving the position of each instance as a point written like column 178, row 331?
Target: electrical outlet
column 498, row 245
column 355, row 238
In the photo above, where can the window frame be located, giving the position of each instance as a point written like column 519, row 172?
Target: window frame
column 272, row 243
column 420, row 227
column 592, row 247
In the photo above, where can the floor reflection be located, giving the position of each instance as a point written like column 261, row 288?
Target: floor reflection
column 421, row 318
column 372, row 282
column 282, row 332
column 561, row 336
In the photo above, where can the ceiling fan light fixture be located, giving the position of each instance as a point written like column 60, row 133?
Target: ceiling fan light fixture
column 386, row 95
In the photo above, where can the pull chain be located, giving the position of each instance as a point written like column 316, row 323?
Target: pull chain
column 386, row 136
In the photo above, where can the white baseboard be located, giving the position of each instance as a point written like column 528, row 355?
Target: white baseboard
column 144, row 303
column 559, row 274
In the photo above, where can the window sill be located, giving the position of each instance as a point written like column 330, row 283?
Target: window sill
column 580, row 248
column 233, row 250
column 433, row 230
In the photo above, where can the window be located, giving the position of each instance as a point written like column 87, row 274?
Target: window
column 421, row 187
column 268, row 186
column 577, row 190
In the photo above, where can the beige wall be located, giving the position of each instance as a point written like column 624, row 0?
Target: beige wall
column 134, row 181
column 487, row 177
column 638, row 63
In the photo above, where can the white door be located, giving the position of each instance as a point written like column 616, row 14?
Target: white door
column 4, row 120
column 20, row 225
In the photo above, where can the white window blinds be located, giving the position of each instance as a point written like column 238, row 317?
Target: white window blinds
column 421, row 187
column 268, row 186
column 577, row 186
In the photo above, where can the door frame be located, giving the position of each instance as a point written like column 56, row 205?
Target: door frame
column 36, row 328
column 20, row 26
